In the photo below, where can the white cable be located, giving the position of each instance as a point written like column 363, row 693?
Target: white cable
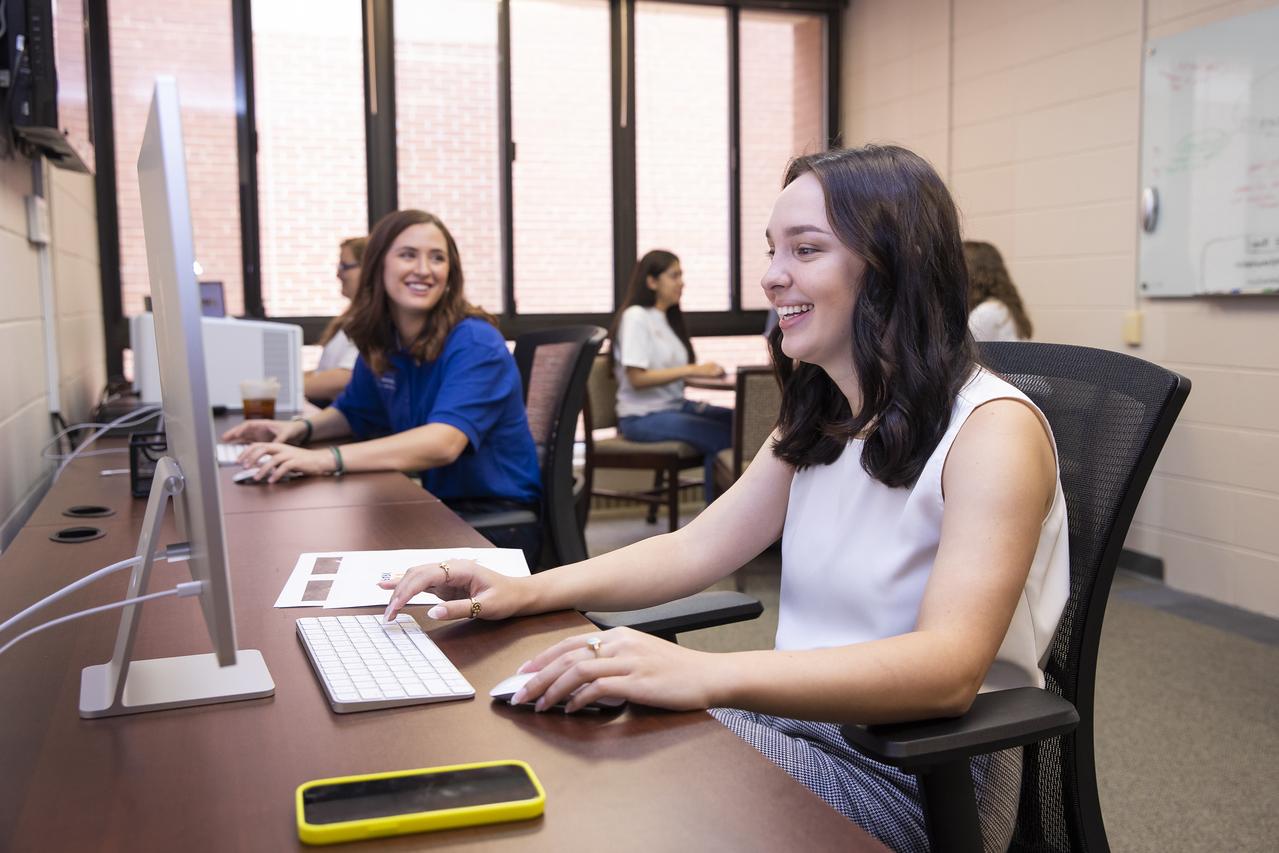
column 173, row 554
column 143, row 414
column 98, row 434
column 182, row 590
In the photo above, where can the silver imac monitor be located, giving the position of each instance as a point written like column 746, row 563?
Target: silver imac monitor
column 187, row 476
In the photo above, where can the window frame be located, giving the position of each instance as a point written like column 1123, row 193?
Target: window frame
column 382, row 173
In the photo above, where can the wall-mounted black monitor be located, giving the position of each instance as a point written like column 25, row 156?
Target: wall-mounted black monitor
column 46, row 52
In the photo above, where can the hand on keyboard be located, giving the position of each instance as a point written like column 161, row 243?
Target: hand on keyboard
column 365, row 664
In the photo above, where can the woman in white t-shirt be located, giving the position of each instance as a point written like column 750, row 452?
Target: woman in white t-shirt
column 995, row 312
column 924, row 539
column 337, row 359
column 652, row 356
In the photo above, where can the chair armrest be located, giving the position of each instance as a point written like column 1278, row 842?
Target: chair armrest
column 703, row 610
column 996, row 721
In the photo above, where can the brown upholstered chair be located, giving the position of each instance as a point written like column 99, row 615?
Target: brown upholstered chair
column 758, row 400
column 666, row 459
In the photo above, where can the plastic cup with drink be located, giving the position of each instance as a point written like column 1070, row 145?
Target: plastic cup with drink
column 259, row 397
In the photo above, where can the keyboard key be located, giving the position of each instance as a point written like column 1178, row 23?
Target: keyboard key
column 364, row 664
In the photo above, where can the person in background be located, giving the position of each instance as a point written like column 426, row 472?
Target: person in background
column 434, row 392
column 652, row 356
column 337, row 359
column 995, row 309
column 925, row 549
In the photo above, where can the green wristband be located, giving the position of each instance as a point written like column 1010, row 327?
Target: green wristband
column 337, row 458
column 310, row 428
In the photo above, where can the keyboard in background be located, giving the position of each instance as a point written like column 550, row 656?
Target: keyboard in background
column 364, row 663
column 229, row 453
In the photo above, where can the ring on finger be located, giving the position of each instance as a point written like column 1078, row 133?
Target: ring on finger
column 475, row 609
column 444, row 566
column 593, row 643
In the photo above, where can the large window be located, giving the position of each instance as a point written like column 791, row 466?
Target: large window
column 446, row 127
column 192, row 42
column 681, row 144
column 782, row 99
column 558, row 140
column 308, row 60
column 562, row 183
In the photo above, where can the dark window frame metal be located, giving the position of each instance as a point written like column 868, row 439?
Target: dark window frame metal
column 378, row 29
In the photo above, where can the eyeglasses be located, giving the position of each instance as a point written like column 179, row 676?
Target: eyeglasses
column 344, row 267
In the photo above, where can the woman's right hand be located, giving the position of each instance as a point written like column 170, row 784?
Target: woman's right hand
column 283, row 432
column 707, row 368
column 465, row 584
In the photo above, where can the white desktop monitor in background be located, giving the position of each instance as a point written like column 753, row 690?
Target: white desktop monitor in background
column 188, row 474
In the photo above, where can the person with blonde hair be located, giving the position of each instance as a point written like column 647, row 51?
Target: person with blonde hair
column 337, row 359
column 995, row 311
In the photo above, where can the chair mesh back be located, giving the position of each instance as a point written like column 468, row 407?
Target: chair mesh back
column 548, row 378
column 759, row 401
column 602, row 392
column 1109, row 414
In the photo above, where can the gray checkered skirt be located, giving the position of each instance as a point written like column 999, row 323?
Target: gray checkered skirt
column 880, row 799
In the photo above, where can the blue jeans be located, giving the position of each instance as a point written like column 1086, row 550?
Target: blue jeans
column 706, row 427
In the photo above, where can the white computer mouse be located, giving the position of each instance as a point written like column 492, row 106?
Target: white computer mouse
column 508, row 687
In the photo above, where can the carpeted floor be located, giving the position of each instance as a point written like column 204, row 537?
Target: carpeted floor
column 1187, row 708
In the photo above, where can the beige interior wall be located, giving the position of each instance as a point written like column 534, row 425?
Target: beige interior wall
column 25, row 424
column 1031, row 110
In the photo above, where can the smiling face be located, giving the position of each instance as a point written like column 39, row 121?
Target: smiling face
column 668, row 286
column 415, row 272
column 812, row 280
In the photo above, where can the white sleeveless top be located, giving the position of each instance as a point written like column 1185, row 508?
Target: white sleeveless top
column 856, row 555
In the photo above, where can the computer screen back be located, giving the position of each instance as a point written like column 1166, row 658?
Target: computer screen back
column 175, row 295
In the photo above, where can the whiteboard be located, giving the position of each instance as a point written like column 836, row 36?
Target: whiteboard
column 1210, row 160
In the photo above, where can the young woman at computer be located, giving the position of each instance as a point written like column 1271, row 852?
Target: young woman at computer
column 435, row 390
column 652, row 356
column 337, row 358
column 995, row 311
column 924, row 555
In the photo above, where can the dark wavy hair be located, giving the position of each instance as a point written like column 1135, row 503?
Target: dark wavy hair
column 369, row 325
column 988, row 279
column 910, row 343
column 638, row 292
column 356, row 245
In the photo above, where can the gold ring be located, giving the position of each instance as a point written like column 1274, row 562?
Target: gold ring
column 593, row 643
column 475, row 608
column 445, row 566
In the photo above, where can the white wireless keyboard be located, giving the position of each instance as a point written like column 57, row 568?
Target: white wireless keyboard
column 229, row 453
column 365, row 663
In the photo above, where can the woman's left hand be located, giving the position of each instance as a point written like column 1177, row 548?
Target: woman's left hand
column 286, row 459
column 627, row 664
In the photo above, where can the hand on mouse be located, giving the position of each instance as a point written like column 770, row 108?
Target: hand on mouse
column 465, row 584
column 626, row 664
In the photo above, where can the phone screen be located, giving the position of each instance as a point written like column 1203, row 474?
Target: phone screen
column 422, row 792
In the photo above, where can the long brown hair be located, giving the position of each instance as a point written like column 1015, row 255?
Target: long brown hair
column 910, row 343
column 370, row 326
column 356, row 245
column 988, row 279
column 653, row 264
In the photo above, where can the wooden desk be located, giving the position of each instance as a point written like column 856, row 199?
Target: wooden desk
column 222, row 777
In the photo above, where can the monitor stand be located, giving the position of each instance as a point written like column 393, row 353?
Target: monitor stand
column 126, row 686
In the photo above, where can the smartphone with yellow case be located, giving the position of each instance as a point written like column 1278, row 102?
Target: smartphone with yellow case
column 350, row 808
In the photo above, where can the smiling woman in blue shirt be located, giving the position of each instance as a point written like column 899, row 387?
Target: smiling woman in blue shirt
column 435, row 392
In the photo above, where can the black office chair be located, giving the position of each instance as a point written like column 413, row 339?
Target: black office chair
column 1110, row 414
column 555, row 366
